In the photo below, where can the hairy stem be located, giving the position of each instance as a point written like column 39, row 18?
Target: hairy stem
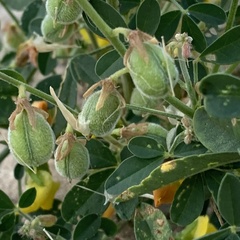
column 32, row 90
column 102, row 26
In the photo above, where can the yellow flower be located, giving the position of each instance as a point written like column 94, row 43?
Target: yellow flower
column 200, row 227
column 101, row 42
column 45, row 192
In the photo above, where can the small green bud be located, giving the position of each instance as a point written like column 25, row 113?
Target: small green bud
column 55, row 32
column 100, row 122
column 141, row 100
column 150, row 67
column 63, row 11
column 30, row 137
column 71, row 157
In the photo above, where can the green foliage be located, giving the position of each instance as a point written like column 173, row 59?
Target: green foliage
column 174, row 165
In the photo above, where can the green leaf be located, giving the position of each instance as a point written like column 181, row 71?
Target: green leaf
column 46, row 63
column 213, row 179
column 168, row 25
column 59, row 231
column 7, row 222
column 145, row 147
column 190, row 27
column 221, row 95
column 80, row 201
column 32, row 10
column 19, row 171
column 7, row 89
column 82, row 68
column 145, row 20
column 215, row 134
column 224, row 49
column 17, row 5
column 68, row 96
column 9, row 107
column 27, row 198
column 130, row 172
column 108, row 14
column 228, row 199
column 126, row 5
column 208, row 13
column 4, row 153
column 5, row 202
column 193, row 148
column 176, row 170
column 87, row 227
column 44, row 85
column 108, row 226
column 233, row 236
column 188, row 201
column 100, row 155
column 125, row 210
column 151, row 223
column 35, row 26
column 108, row 64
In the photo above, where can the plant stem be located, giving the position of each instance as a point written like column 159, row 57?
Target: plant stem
column 232, row 14
column 32, row 90
column 102, row 25
column 118, row 74
column 189, row 87
column 153, row 111
column 180, row 106
column 10, row 13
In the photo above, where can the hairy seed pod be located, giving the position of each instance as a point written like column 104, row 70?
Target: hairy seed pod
column 31, row 145
column 149, row 68
column 102, row 121
column 71, row 157
column 141, row 100
column 55, row 32
column 63, row 11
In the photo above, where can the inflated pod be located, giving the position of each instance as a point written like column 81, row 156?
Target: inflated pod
column 55, row 32
column 71, row 157
column 99, row 122
column 151, row 69
column 30, row 137
column 63, row 11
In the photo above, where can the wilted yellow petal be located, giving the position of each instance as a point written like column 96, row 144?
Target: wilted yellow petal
column 165, row 195
column 101, row 42
column 109, row 211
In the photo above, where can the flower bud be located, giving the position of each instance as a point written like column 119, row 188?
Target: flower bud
column 55, row 32
column 150, row 67
column 30, row 137
column 63, row 11
column 141, row 100
column 71, row 157
column 100, row 122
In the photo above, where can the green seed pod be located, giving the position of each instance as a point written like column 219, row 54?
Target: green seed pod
column 149, row 67
column 71, row 157
column 64, row 11
column 31, row 144
column 141, row 100
column 102, row 121
column 55, row 32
